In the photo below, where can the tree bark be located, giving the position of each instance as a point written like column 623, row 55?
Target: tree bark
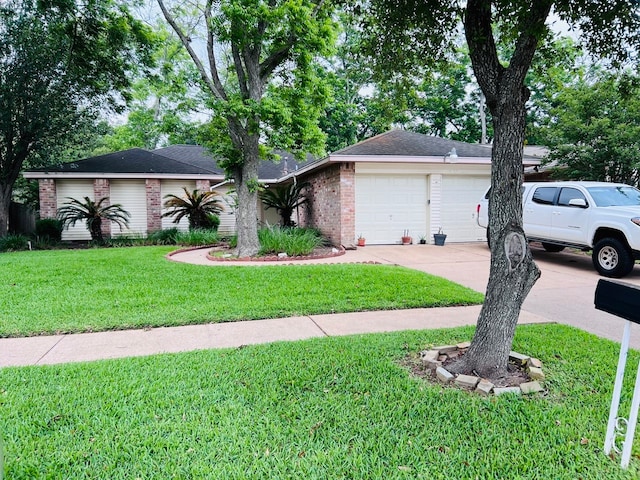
column 5, row 202
column 513, row 271
column 245, row 177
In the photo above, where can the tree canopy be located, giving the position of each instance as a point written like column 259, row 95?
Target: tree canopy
column 401, row 33
column 60, row 63
column 261, row 85
column 595, row 132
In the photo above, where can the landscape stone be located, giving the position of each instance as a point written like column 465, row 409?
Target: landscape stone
column 530, row 387
column 282, row 255
column 467, row 381
column 463, row 345
column 535, row 373
column 534, row 362
column 443, row 375
column 484, row 387
column 442, row 358
column 518, row 357
column 429, row 355
column 502, row 390
column 431, row 364
column 445, row 349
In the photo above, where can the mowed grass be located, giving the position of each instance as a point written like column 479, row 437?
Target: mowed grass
column 44, row 292
column 324, row 408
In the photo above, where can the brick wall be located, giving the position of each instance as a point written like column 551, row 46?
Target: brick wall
column 331, row 207
column 47, row 193
column 154, row 205
column 347, row 204
column 101, row 190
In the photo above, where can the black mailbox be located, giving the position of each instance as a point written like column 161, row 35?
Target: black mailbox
column 619, row 298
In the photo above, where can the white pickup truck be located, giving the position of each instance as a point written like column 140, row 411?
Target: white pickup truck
column 598, row 216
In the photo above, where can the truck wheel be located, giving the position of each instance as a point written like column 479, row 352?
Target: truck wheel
column 611, row 258
column 552, row 247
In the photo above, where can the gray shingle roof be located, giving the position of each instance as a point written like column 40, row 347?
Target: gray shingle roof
column 404, row 143
column 134, row 160
column 172, row 160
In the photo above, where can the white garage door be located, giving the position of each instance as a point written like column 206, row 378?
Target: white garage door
column 387, row 205
column 460, row 196
column 76, row 189
column 174, row 187
column 132, row 195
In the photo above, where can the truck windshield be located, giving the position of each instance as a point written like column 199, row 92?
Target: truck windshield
column 615, row 196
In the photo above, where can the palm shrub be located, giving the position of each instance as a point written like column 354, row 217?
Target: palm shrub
column 285, row 200
column 200, row 207
column 92, row 213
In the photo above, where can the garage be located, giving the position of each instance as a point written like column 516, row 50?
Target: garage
column 460, row 196
column 387, row 205
column 77, row 190
column 131, row 195
column 175, row 187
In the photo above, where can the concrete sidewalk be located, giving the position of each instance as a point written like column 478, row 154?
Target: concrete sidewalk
column 130, row 343
column 564, row 294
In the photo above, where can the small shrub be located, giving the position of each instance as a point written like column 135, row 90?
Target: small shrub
column 12, row 243
column 131, row 240
column 50, row 228
column 163, row 237
column 197, row 236
column 292, row 241
column 213, row 221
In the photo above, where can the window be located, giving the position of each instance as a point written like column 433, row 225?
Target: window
column 567, row 194
column 615, row 196
column 544, row 195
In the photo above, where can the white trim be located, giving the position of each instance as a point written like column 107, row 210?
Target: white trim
column 139, row 176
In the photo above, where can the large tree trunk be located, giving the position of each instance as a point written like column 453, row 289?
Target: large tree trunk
column 513, row 272
column 5, row 202
column 246, row 183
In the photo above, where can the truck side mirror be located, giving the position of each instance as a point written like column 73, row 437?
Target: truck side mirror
column 578, row 202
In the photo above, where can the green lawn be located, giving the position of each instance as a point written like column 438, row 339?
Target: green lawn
column 319, row 409
column 103, row 289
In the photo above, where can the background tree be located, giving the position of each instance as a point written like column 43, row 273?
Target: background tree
column 93, row 214
column 163, row 104
column 420, row 27
column 199, row 207
column 60, row 60
column 258, row 74
column 595, row 131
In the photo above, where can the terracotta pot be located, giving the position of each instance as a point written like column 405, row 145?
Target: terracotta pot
column 406, row 240
column 361, row 242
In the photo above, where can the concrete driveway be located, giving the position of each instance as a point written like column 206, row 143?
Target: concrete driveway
column 564, row 293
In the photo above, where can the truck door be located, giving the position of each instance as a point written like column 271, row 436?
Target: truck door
column 538, row 209
column 570, row 221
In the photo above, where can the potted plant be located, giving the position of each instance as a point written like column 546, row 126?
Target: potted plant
column 406, row 239
column 361, row 241
column 439, row 238
column 423, row 240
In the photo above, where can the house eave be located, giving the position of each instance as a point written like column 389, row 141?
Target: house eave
column 526, row 162
column 132, row 176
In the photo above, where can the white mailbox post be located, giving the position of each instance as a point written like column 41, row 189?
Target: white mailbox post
column 623, row 300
